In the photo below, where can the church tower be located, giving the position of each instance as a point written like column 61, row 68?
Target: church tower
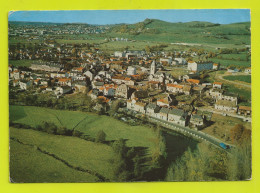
column 153, row 68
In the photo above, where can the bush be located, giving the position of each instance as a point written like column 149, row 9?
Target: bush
column 76, row 133
column 62, row 131
column 101, row 137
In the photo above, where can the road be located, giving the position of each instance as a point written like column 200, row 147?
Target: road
column 191, row 132
column 212, row 110
column 239, row 83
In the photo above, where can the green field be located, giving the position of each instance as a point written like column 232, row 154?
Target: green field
column 17, row 63
column 77, row 152
column 29, row 165
column 224, row 62
column 243, row 78
column 90, row 124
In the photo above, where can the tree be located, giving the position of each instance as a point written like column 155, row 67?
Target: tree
column 147, row 49
column 119, row 147
column 101, row 137
column 114, row 107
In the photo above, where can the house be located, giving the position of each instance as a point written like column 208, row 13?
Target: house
column 62, row 90
column 109, row 91
column 80, row 86
column 215, row 93
column 119, row 54
column 24, row 85
column 164, row 102
column 196, row 120
column 97, row 84
column 78, row 69
column 232, row 70
column 64, row 81
column 216, row 66
column 89, row 74
column 140, row 107
column 193, row 81
column 163, row 114
column 248, row 70
column 130, row 104
column 226, row 106
column 15, row 75
column 199, row 66
column 177, row 116
column 230, row 97
column 152, row 109
column 217, row 85
column 198, row 89
column 154, row 84
column 37, row 81
column 49, row 89
column 15, row 82
column 103, row 99
column 187, row 89
column 124, row 91
column 175, row 88
column 131, row 70
column 94, row 93
column 244, row 110
column 180, row 61
column 166, row 60
column 140, row 94
column 188, row 76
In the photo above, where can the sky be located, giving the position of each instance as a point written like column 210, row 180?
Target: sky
column 101, row 17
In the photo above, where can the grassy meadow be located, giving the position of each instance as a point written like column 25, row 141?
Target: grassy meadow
column 77, row 152
column 88, row 123
column 243, row 78
column 29, row 165
column 18, row 63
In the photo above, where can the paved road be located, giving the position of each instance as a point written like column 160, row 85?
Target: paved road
column 191, row 132
column 227, row 113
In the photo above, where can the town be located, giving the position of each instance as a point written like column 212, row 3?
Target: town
column 150, row 90
column 129, row 101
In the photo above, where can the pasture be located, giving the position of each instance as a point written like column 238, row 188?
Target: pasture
column 77, row 152
column 31, row 166
column 243, row 78
column 17, row 63
column 88, row 123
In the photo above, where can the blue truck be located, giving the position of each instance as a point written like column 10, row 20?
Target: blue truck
column 224, row 146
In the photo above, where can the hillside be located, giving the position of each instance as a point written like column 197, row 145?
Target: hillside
column 190, row 32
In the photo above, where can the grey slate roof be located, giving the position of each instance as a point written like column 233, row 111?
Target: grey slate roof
column 164, row 110
column 154, row 107
column 177, row 112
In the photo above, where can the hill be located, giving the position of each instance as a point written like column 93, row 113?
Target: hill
column 190, row 32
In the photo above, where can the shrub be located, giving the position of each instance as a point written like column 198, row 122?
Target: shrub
column 101, row 137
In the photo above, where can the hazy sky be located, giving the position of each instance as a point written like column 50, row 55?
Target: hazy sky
column 222, row 16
